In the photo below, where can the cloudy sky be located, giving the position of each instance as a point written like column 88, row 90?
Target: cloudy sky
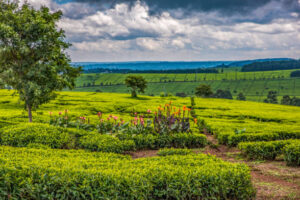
column 185, row 30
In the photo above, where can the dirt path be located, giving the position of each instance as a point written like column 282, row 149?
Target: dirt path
column 273, row 180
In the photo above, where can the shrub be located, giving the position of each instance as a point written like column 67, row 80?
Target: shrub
column 145, row 141
column 23, row 134
column 178, row 140
column 186, row 140
column 38, row 146
column 292, row 154
column 106, row 143
column 83, row 175
column 264, row 150
column 234, row 139
column 168, row 152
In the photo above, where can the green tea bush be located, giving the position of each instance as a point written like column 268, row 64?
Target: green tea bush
column 235, row 139
column 292, row 154
column 264, row 150
column 106, row 143
column 172, row 151
column 178, row 140
column 77, row 174
column 38, row 146
column 187, row 140
column 25, row 133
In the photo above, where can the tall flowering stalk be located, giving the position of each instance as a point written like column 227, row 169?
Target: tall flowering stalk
column 169, row 120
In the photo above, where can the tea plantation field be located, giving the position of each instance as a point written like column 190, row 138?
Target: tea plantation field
column 254, row 85
column 77, row 147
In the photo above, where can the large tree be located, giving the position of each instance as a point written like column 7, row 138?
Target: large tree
column 32, row 53
column 204, row 91
column 136, row 83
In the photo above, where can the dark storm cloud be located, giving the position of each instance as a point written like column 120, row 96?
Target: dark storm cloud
column 226, row 6
column 258, row 11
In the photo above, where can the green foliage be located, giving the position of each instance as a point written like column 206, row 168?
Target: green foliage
column 271, row 65
column 272, row 97
column 203, row 91
column 32, row 54
column 241, row 97
column 37, row 146
column 295, row 73
column 169, row 152
column 223, row 94
column 203, row 126
column 24, row 134
column 254, row 85
column 292, row 154
column 106, row 143
column 178, row 140
column 265, row 150
column 136, row 83
column 83, row 175
column 287, row 100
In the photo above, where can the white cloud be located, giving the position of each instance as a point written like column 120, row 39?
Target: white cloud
column 131, row 30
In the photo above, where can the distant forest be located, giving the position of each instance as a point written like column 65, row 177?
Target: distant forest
column 170, row 71
column 271, row 66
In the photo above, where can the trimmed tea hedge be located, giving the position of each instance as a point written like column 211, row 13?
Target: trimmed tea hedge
column 106, row 143
column 77, row 174
column 35, row 135
column 265, row 150
column 25, row 133
column 178, row 140
column 172, row 151
column 292, row 154
column 235, row 139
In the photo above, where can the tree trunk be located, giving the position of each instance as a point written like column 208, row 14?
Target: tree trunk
column 133, row 94
column 29, row 113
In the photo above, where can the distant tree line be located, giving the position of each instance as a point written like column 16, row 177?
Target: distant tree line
column 271, row 66
column 204, row 90
column 286, row 99
column 169, row 71
column 295, row 74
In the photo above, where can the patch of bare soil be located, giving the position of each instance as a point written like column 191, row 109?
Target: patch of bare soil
column 143, row 154
column 273, row 180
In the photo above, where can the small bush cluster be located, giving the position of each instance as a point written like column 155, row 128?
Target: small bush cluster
column 106, row 143
column 292, row 154
column 179, row 140
column 26, row 133
column 172, row 151
column 235, row 139
column 77, row 174
column 265, row 150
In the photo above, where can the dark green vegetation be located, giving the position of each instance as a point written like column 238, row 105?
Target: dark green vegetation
column 136, row 84
column 255, row 86
column 271, row 66
column 169, row 71
column 32, row 54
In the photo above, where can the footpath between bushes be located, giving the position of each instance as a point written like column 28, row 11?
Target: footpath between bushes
column 273, row 180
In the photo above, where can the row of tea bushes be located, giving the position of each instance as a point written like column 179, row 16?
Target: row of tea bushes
column 172, row 151
column 25, row 134
column 292, row 154
column 76, row 174
column 233, row 139
column 271, row 149
column 178, row 140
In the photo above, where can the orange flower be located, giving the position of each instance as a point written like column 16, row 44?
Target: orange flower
column 195, row 120
column 184, row 108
